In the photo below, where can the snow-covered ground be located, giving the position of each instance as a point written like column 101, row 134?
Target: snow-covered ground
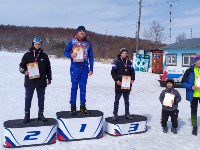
column 100, row 96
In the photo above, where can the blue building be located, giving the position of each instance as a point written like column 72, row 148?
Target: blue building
column 178, row 57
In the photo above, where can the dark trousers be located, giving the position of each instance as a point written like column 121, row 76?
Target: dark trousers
column 194, row 106
column 118, row 95
column 173, row 115
column 29, row 95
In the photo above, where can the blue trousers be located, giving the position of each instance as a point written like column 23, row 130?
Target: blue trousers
column 29, row 95
column 79, row 78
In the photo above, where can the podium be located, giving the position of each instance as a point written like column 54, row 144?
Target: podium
column 79, row 126
column 19, row 134
column 124, row 126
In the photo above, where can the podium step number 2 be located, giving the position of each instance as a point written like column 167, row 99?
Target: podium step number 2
column 19, row 134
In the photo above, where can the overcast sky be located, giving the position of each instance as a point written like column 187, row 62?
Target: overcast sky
column 116, row 17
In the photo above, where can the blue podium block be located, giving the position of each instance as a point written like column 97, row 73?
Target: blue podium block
column 124, row 126
column 19, row 134
column 79, row 126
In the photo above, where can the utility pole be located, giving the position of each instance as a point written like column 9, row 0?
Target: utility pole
column 138, row 31
column 170, row 30
column 191, row 33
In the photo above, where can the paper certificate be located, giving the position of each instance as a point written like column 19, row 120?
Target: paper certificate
column 33, row 70
column 79, row 51
column 126, row 82
column 168, row 99
column 198, row 81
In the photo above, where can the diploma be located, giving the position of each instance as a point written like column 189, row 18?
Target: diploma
column 79, row 51
column 168, row 99
column 126, row 82
column 33, row 70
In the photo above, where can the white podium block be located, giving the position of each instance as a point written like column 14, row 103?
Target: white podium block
column 124, row 126
column 19, row 134
column 79, row 126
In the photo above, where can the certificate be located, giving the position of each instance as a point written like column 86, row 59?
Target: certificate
column 168, row 99
column 79, row 51
column 198, row 81
column 33, row 70
column 126, row 82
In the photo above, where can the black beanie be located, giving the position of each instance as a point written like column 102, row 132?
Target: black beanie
column 81, row 28
column 170, row 80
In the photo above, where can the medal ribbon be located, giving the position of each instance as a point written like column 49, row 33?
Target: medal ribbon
column 37, row 55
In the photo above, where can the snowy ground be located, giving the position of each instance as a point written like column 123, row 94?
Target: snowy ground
column 100, row 96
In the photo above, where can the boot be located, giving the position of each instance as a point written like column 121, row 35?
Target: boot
column 128, row 116
column 26, row 117
column 115, row 117
column 84, row 110
column 194, row 131
column 174, row 130
column 41, row 117
column 165, row 129
column 73, row 109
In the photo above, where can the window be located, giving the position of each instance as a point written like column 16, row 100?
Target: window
column 187, row 59
column 171, row 59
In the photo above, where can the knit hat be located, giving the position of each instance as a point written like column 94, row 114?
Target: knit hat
column 81, row 28
column 123, row 50
column 197, row 57
column 36, row 40
column 170, row 81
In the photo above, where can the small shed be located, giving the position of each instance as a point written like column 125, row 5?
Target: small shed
column 177, row 57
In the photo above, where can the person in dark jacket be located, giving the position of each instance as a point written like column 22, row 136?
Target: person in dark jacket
column 122, row 66
column 191, row 81
column 35, row 55
column 168, row 110
column 79, row 70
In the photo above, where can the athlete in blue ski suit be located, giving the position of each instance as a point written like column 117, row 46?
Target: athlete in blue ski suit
column 79, row 71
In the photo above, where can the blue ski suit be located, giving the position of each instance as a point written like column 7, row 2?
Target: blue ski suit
column 79, row 70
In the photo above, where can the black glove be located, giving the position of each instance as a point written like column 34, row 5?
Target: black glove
column 48, row 82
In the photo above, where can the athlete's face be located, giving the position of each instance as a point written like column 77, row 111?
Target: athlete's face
column 197, row 63
column 37, row 45
column 169, row 85
column 81, row 34
column 124, row 54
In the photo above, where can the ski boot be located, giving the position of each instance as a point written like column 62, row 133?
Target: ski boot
column 165, row 129
column 73, row 109
column 84, row 110
column 174, row 130
column 128, row 116
column 26, row 117
column 194, row 130
column 41, row 117
column 115, row 117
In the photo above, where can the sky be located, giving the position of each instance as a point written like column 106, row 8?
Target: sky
column 111, row 17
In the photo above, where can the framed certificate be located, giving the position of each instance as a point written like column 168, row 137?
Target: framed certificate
column 33, row 70
column 126, row 82
column 168, row 99
column 79, row 51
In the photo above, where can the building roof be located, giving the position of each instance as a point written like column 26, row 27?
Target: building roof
column 184, row 44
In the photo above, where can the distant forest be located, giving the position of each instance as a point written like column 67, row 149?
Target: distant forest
column 19, row 38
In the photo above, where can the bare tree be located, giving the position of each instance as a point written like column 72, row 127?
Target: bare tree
column 155, row 33
column 181, row 37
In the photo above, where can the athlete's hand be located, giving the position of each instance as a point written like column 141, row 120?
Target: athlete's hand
column 90, row 73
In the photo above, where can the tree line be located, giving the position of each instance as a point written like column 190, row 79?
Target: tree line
column 19, row 38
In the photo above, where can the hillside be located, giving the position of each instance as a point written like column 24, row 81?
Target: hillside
column 14, row 38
